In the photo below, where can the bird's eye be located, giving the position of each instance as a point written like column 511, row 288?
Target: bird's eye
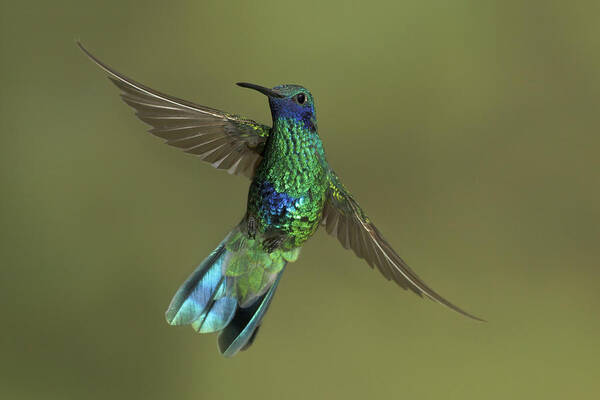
column 301, row 98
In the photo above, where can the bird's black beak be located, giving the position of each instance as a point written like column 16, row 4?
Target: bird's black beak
column 262, row 89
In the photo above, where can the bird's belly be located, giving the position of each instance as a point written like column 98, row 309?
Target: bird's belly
column 297, row 216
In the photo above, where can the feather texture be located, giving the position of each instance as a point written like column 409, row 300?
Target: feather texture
column 226, row 141
column 344, row 219
column 205, row 299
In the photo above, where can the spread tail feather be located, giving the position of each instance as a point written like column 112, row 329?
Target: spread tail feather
column 204, row 300
column 230, row 291
column 241, row 331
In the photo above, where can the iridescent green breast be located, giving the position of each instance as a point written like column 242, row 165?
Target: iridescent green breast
column 288, row 191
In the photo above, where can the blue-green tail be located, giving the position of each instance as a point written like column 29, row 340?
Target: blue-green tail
column 230, row 291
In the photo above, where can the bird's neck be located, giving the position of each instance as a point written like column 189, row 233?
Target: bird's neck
column 291, row 137
column 292, row 157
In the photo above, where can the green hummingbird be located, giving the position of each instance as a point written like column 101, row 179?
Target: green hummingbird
column 293, row 192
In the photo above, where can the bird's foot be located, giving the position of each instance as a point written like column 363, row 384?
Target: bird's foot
column 271, row 244
column 251, row 226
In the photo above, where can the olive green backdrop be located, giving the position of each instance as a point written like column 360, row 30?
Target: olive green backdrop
column 468, row 130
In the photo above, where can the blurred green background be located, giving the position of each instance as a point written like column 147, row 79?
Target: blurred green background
column 468, row 130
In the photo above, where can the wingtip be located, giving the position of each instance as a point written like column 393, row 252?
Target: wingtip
column 99, row 63
column 461, row 311
column 466, row 314
column 85, row 51
column 80, row 45
column 478, row 319
column 431, row 295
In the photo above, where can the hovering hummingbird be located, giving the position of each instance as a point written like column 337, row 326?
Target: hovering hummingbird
column 293, row 191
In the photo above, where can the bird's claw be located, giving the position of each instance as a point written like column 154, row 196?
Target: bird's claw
column 271, row 244
column 251, row 225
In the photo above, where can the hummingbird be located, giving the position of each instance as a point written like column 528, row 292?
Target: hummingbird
column 293, row 192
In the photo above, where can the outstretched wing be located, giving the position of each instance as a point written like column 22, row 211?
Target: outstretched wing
column 226, row 141
column 343, row 218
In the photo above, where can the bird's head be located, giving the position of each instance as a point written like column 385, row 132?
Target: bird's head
column 289, row 101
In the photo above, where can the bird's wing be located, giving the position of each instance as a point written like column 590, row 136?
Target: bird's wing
column 225, row 140
column 344, row 219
